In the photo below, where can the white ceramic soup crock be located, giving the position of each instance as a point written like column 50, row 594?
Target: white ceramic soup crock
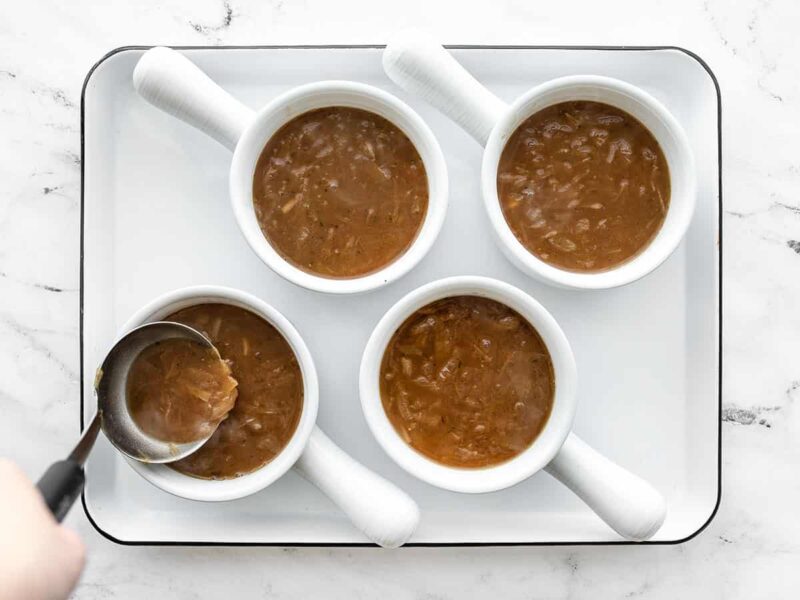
column 168, row 80
column 421, row 66
column 386, row 514
column 629, row 504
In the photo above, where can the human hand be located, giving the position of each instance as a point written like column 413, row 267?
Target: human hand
column 39, row 559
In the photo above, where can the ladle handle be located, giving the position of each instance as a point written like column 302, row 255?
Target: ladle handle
column 386, row 514
column 60, row 486
column 626, row 502
column 421, row 66
column 171, row 82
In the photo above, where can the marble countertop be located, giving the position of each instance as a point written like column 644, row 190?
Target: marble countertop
column 750, row 550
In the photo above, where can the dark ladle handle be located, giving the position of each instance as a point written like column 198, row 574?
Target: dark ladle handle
column 61, row 485
column 63, row 481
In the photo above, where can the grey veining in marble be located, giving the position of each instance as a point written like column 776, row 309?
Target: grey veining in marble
column 751, row 549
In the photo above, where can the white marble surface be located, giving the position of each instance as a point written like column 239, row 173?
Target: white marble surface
column 752, row 548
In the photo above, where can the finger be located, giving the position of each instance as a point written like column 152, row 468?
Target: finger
column 67, row 561
column 74, row 549
column 9, row 471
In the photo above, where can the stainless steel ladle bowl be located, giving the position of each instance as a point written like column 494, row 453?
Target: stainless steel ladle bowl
column 63, row 481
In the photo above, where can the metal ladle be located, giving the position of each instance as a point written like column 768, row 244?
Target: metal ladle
column 63, row 481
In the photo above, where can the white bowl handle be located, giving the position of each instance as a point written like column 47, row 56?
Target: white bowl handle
column 385, row 513
column 421, row 66
column 629, row 504
column 171, row 82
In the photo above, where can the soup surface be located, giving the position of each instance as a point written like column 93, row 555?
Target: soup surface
column 179, row 391
column 584, row 186
column 270, row 399
column 467, row 382
column 340, row 192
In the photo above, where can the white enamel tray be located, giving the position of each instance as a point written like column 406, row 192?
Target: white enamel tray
column 156, row 216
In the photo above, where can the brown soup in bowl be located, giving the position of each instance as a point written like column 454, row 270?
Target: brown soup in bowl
column 584, row 186
column 270, row 392
column 467, row 382
column 340, row 192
